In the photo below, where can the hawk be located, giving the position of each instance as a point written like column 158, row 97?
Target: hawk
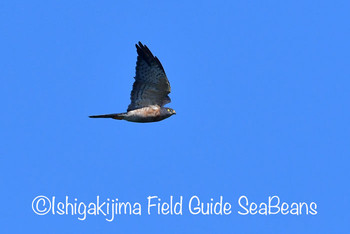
column 149, row 92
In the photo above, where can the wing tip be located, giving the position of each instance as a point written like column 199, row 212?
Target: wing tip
column 146, row 54
column 143, row 50
column 139, row 45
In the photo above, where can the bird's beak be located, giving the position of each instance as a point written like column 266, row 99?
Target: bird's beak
column 174, row 112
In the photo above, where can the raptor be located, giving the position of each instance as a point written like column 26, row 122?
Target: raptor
column 149, row 92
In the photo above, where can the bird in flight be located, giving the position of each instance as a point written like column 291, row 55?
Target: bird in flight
column 149, row 92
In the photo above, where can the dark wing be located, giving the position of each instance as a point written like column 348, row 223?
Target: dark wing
column 151, row 86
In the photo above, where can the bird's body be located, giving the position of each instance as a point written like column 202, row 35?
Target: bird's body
column 150, row 91
column 147, row 114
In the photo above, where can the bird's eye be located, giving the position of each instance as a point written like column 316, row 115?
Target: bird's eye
column 169, row 110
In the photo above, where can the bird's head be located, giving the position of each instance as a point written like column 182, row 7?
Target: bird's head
column 168, row 111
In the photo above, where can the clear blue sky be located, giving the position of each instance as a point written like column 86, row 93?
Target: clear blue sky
column 261, row 90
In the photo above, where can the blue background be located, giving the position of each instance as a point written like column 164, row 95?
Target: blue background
column 261, row 90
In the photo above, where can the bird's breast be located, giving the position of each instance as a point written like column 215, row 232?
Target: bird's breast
column 145, row 114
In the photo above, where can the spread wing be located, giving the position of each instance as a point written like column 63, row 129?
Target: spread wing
column 151, row 86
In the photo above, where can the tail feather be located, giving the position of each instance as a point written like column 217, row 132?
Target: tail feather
column 113, row 116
